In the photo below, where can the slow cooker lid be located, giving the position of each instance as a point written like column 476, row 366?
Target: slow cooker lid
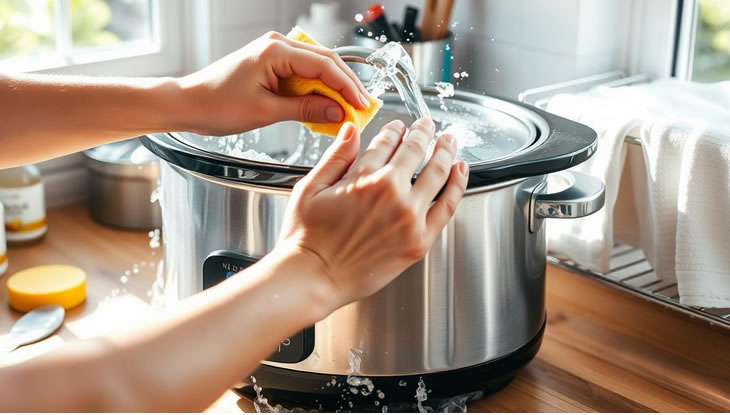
column 500, row 139
column 483, row 135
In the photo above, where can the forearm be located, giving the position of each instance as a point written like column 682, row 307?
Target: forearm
column 181, row 362
column 46, row 116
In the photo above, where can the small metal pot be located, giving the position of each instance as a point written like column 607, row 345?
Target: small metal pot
column 122, row 179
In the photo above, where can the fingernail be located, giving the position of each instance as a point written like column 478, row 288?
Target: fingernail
column 428, row 123
column 449, row 139
column 464, row 168
column 347, row 131
column 334, row 114
column 399, row 125
column 365, row 101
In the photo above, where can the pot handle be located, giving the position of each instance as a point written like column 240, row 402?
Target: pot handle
column 584, row 196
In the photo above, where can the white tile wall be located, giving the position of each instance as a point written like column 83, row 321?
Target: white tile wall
column 506, row 45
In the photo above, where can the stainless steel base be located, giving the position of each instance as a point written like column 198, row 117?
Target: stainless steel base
column 477, row 296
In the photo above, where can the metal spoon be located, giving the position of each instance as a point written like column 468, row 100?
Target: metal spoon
column 33, row 326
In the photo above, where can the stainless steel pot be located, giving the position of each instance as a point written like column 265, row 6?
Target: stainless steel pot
column 465, row 317
column 122, row 177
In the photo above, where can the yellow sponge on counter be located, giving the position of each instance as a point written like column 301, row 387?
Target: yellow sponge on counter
column 297, row 86
column 35, row 287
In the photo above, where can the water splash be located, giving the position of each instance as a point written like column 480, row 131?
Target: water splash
column 155, row 195
column 363, row 385
column 262, row 405
column 445, row 90
column 154, row 238
column 395, row 68
column 422, row 396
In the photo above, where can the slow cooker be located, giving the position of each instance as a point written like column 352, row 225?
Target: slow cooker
column 465, row 318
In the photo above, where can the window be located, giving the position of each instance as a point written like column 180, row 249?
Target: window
column 80, row 35
column 703, row 52
column 712, row 47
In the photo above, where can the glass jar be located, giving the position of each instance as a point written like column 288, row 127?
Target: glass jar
column 21, row 192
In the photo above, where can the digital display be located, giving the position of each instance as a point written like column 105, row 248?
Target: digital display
column 223, row 264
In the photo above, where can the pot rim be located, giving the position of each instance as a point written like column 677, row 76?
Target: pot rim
column 558, row 145
column 286, row 191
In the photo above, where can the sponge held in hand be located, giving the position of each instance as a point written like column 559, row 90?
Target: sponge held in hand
column 297, row 86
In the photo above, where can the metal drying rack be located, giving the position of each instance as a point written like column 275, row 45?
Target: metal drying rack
column 629, row 269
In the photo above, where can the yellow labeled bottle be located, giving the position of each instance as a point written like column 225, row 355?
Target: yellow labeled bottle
column 3, row 248
column 21, row 192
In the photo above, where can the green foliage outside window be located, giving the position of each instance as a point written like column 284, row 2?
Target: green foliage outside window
column 712, row 50
column 28, row 26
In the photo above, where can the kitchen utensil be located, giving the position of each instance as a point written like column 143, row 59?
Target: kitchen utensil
column 34, row 326
column 122, row 178
column 443, row 19
column 464, row 318
column 378, row 23
column 428, row 21
column 410, row 32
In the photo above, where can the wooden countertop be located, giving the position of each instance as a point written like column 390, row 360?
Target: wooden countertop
column 604, row 350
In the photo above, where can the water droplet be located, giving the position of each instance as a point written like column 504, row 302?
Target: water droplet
column 155, row 195
column 496, row 69
column 358, row 17
column 402, row 383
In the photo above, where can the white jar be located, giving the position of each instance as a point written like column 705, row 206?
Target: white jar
column 21, row 191
column 3, row 247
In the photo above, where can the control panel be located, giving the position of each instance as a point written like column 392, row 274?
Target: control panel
column 224, row 264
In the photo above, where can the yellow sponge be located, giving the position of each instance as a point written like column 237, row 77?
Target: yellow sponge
column 35, row 287
column 297, row 86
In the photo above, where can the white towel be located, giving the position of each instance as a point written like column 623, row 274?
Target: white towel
column 685, row 133
column 588, row 241
column 703, row 218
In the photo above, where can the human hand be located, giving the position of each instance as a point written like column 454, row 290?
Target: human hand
column 363, row 222
column 239, row 92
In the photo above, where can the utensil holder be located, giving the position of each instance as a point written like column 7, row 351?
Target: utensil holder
column 431, row 59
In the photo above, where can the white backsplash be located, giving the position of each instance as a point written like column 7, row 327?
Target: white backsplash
column 506, row 45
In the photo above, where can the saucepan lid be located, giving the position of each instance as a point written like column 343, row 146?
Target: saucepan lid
column 500, row 139
column 127, row 158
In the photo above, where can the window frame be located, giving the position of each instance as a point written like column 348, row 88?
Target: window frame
column 162, row 56
column 686, row 38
